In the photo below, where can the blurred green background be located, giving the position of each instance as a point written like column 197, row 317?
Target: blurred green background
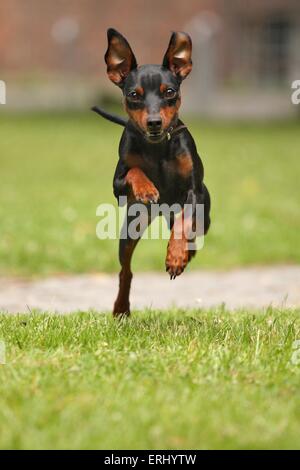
column 57, row 159
column 56, row 168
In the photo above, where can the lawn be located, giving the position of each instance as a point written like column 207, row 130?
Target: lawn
column 193, row 379
column 57, row 168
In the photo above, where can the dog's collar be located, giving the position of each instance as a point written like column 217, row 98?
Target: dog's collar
column 172, row 130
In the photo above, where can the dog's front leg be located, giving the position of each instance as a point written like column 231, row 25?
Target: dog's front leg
column 133, row 182
column 143, row 190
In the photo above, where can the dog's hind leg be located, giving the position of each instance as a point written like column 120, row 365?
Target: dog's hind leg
column 126, row 248
column 122, row 306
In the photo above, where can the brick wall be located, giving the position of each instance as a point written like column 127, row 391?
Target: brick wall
column 62, row 42
column 32, row 40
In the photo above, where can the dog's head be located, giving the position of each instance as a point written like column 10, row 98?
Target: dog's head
column 151, row 92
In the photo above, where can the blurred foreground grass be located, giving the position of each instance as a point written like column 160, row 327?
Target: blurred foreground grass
column 57, row 168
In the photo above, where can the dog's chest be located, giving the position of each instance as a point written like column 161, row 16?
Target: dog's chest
column 170, row 176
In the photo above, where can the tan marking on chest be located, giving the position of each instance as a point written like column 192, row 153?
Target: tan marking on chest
column 184, row 165
column 133, row 160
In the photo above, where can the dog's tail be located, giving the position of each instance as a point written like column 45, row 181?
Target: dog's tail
column 110, row 117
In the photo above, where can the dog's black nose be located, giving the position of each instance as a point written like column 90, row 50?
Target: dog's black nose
column 154, row 124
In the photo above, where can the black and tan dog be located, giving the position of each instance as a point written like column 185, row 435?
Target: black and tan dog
column 158, row 159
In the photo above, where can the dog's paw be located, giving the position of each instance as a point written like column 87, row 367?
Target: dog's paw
column 143, row 190
column 121, row 309
column 146, row 193
column 177, row 257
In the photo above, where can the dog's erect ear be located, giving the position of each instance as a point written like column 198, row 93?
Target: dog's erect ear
column 119, row 57
column 178, row 57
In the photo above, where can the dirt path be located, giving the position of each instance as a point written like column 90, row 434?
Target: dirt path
column 252, row 287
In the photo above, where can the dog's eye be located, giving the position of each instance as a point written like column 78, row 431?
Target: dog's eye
column 133, row 95
column 170, row 93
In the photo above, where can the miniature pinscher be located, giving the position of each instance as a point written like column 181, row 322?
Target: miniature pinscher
column 158, row 159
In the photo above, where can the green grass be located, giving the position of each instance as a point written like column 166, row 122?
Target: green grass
column 56, row 169
column 195, row 379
